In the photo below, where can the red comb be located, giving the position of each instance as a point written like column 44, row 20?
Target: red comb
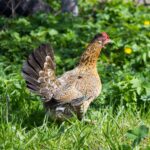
column 105, row 34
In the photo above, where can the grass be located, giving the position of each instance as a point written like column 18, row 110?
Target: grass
column 24, row 125
column 120, row 125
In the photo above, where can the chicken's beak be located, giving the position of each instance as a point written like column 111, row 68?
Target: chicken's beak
column 110, row 41
column 107, row 42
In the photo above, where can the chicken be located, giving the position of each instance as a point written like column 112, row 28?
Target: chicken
column 72, row 92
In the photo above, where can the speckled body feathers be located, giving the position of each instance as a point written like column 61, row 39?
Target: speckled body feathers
column 70, row 93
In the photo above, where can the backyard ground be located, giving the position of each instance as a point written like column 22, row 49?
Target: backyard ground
column 121, row 113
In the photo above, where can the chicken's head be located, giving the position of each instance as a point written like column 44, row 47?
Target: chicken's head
column 102, row 38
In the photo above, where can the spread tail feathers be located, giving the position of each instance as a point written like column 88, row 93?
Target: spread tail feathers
column 38, row 71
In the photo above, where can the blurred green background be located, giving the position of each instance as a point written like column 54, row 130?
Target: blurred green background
column 124, row 67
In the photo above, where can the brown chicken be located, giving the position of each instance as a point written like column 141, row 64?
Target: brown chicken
column 72, row 92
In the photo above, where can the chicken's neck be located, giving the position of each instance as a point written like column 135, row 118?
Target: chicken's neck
column 90, row 56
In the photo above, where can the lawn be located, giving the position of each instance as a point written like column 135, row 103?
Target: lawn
column 120, row 116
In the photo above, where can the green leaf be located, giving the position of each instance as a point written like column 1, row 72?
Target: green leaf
column 52, row 32
column 136, row 142
column 143, row 131
column 136, row 83
column 125, row 147
column 140, row 132
column 137, row 134
column 131, row 135
column 17, row 85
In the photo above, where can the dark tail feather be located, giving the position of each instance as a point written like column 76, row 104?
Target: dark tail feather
column 34, row 64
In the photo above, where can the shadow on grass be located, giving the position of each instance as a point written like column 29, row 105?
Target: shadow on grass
column 33, row 120
column 37, row 119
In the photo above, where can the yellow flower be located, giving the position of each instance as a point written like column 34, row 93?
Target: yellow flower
column 146, row 22
column 128, row 50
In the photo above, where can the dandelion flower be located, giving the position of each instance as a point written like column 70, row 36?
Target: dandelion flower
column 146, row 22
column 128, row 50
